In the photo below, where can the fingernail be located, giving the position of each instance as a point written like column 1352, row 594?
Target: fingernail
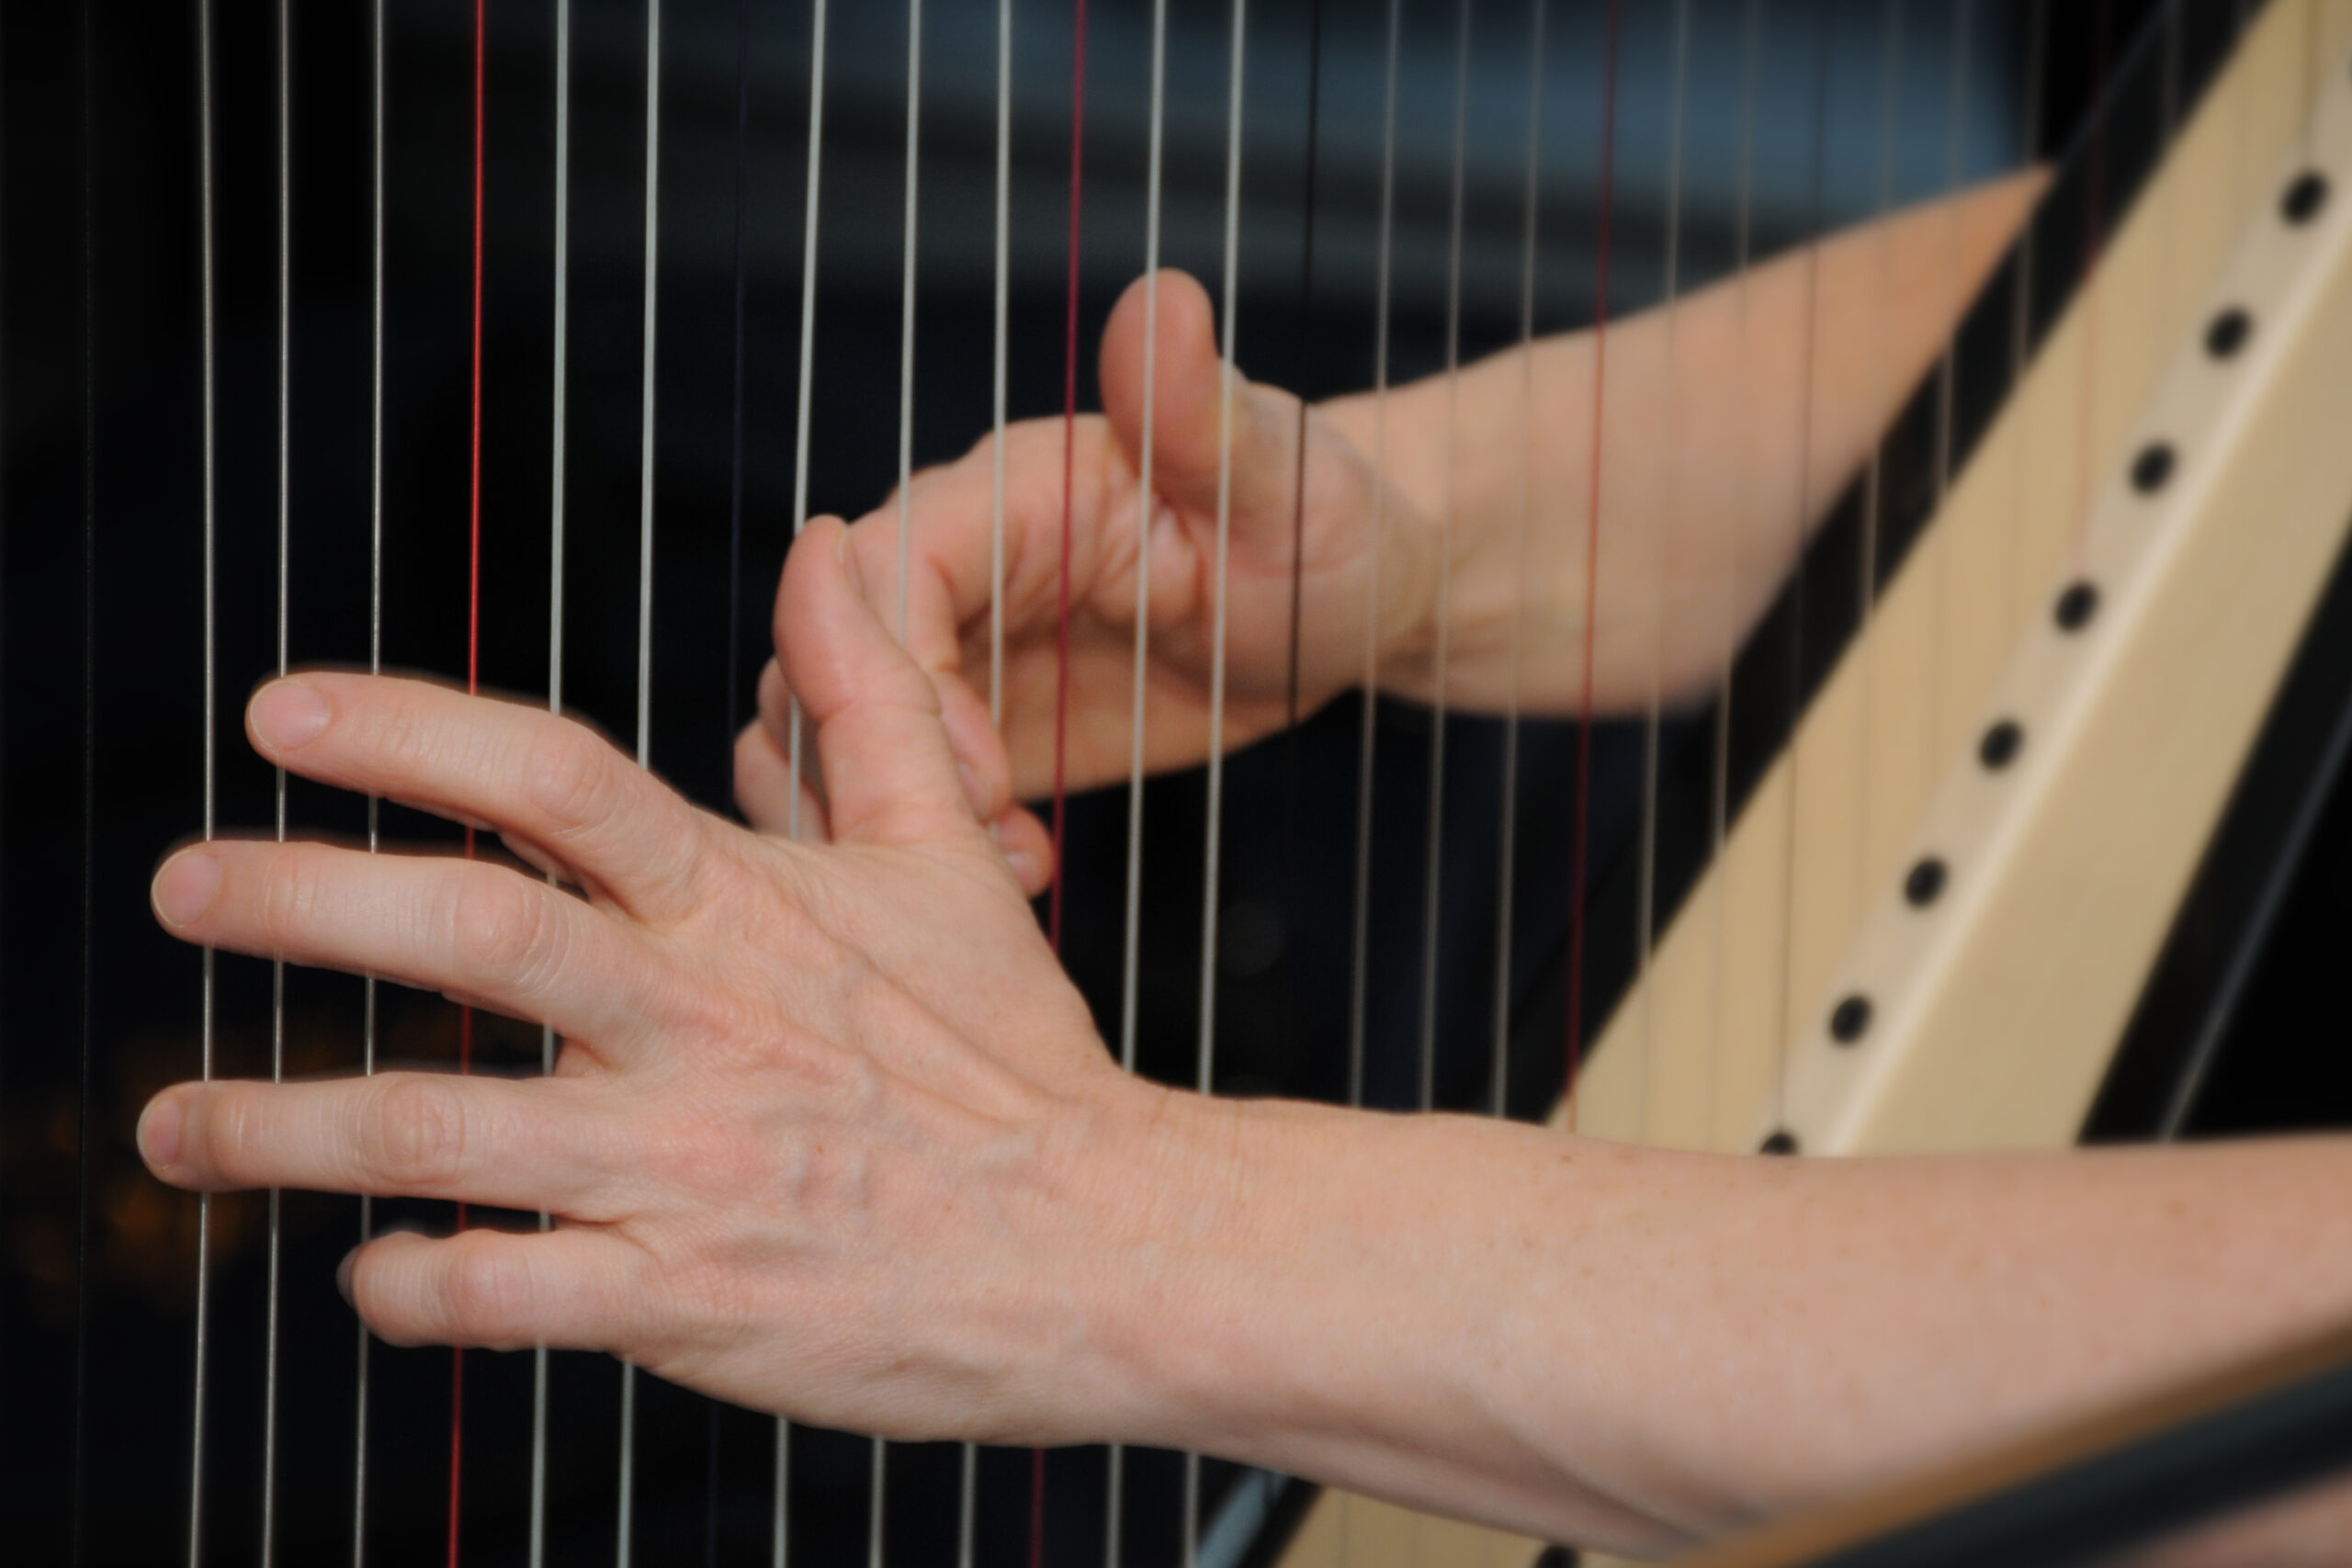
column 186, row 887
column 342, row 1274
column 845, row 553
column 287, row 714
column 159, row 1131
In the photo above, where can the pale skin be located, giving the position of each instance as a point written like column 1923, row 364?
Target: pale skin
column 832, row 1136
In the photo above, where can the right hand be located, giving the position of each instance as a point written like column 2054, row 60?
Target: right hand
column 1354, row 526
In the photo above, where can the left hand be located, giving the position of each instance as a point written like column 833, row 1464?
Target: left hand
column 830, row 1135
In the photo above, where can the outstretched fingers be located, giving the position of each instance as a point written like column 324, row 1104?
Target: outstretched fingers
column 568, row 1288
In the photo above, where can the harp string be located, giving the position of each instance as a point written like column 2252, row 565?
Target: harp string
column 1213, row 827
column 559, row 378
column 1506, row 855
column 734, row 644
column 374, row 667
column 1308, row 386
column 1798, row 516
column 473, row 684
column 967, row 1471
column 1147, row 503
column 780, row 1523
column 1719, row 742
column 84, row 1086
column 211, row 367
column 1368, row 727
column 1669, row 520
column 997, row 377
column 1946, row 371
column 1873, row 472
column 800, row 483
column 278, row 966
column 1434, row 839
column 910, row 192
column 2086, row 402
column 1579, row 870
column 651, row 319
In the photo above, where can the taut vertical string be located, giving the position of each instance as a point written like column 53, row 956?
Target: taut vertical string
column 1433, row 841
column 648, row 316
column 1368, row 730
column 734, row 645
column 557, row 370
column 800, row 488
column 779, row 1530
column 1800, row 515
column 1577, row 912
column 374, row 667
column 473, row 684
column 968, row 1477
column 1146, row 507
column 211, row 721
column 82, row 1065
column 268, row 1553
column 1506, row 852
column 1061, row 594
column 1069, row 452
column 1669, row 289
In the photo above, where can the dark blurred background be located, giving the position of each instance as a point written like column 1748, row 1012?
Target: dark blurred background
column 101, row 640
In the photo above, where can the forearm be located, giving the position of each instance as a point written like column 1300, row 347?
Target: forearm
column 1722, row 430
column 1630, row 1346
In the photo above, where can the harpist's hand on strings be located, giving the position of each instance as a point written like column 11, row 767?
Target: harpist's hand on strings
column 832, row 1137
column 827, row 1118
column 949, row 590
column 1705, row 494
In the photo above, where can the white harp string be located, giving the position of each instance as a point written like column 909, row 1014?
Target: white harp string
column 1873, row 474
column 1433, row 841
column 1146, row 507
column 1506, row 852
column 558, row 378
column 374, row 667
column 1719, row 792
column 780, row 1524
column 1359, row 966
column 1214, row 832
column 800, row 432
column 968, row 1475
column 211, row 721
column 644, row 611
column 267, row 1552
column 906, row 485
column 997, row 367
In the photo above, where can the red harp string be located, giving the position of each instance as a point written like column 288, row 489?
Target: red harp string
column 1580, row 874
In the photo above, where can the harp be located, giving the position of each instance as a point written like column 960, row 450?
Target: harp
column 295, row 297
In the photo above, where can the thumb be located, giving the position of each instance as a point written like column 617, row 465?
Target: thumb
column 889, row 775
column 1187, row 406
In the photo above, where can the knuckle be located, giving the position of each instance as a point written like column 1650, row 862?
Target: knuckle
column 413, row 1133
column 487, row 1293
column 570, row 779
column 291, row 887
column 505, row 931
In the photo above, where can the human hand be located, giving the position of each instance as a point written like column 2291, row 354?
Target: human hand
column 1365, row 558
column 831, row 1133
